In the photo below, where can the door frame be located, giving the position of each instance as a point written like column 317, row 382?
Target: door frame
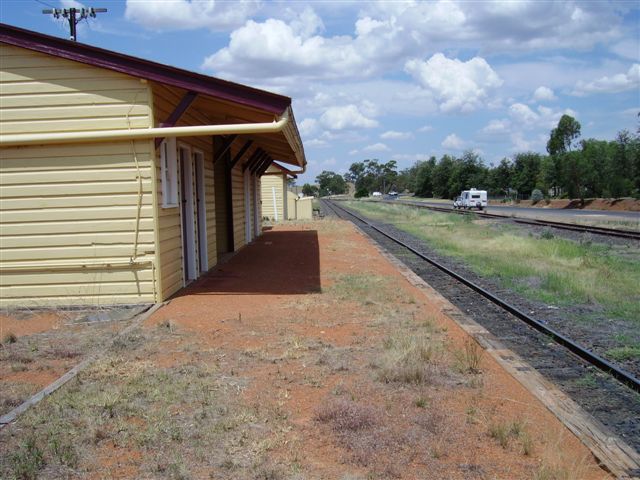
column 247, row 208
column 201, row 211
column 256, row 210
column 188, row 235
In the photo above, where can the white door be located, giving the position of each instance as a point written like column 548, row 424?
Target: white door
column 201, row 227
column 247, row 208
column 188, row 221
column 256, row 209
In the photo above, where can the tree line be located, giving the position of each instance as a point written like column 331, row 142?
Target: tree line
column 572, row 168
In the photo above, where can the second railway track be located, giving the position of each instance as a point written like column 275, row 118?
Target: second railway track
column 574, row 227
column 615, row 403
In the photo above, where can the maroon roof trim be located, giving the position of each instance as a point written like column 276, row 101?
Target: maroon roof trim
column 139, row 67
column 283, row 169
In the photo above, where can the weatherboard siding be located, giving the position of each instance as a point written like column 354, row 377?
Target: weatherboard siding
column 268, row 183
column 45, row 94
column 165, row 100
column 77, row 219
column 77, row 225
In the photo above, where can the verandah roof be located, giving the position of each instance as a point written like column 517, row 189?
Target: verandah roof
column 233, row 102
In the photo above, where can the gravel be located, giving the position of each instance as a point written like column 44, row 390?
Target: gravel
column 613, row 404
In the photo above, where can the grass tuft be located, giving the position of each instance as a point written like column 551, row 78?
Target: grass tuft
column 28, row 460
column 347, row 416
column 408, row 358
column 470, row 358
column 9, row 338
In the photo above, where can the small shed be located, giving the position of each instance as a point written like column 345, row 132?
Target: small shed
column 123, row 180
column 273, row 192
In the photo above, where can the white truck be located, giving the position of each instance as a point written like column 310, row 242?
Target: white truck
column 471, row 199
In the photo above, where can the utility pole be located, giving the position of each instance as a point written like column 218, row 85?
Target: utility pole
column 71, row 15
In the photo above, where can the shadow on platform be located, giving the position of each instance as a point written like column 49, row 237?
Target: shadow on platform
column 277, row 263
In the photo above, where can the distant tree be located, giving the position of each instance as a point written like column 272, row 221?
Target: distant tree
column 331, row 183
column 562, row 137
column 309, row 190
column 423, row 178
column 526, row 169
column 501, row 177
column 373, row 175
column 441, row 176
column 567, row 169
column 467, row 172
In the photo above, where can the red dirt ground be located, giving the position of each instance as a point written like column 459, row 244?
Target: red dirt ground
column 266, row 325
column 613, row 204
column 246, row 304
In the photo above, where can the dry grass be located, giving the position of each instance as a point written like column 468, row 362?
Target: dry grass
column 552, row 270
column 470, row 358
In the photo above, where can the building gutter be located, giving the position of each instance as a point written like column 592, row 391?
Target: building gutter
column 19, row 140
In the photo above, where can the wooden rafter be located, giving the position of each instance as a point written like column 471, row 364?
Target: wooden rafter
column 252, row 159
column 240, row 153
column 258, row 165
column 224, row 147
column 177, row 113
column 264, row 167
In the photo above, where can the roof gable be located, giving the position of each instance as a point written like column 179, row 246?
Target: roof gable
column 138, row 67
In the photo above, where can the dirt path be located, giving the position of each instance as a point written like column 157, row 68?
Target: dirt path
column 306, row 356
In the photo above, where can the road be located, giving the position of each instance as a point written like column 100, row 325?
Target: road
column 551, row 213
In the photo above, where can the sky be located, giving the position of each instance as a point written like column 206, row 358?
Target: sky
column 393, row 80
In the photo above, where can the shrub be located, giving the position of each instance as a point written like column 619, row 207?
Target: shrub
column 536, row 196
column 361, row 193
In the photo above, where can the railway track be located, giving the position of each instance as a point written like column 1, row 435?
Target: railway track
column 612, row 398
column 611, row 232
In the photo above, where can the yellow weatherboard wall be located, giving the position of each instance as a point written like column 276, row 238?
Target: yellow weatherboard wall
column 268, row 184
column 77, row 220
column 165, row 99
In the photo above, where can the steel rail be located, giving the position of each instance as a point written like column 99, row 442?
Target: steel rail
column 592, row 358
column 612, row 232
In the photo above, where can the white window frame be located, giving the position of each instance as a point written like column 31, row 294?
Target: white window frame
column 169, row 172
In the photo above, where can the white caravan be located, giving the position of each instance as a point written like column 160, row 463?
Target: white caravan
column 473, row 199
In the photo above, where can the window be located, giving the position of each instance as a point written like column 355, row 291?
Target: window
column 169, row 172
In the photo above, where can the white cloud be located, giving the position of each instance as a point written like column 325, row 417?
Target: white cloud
column 308, row 126
column 496, row 127
column 344, row 117
column 394, row 135
column 171, row 15
column 425, row 128
column 275, row 48
column 71, row 4
column 620, row 82
column 459, row 86
column 453, row 142
column 543, row 93
column 542, row 118
column 376, row 147
column 289, row 44
column 628, row 49
column 522, row 114
column 316, row 142
column 354, row 152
